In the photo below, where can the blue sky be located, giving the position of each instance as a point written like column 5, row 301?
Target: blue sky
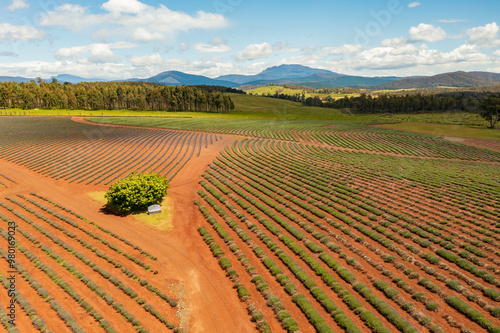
column 130, row 38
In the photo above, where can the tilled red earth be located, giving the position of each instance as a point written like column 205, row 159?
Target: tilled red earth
column 185, row 269
column 206, row 300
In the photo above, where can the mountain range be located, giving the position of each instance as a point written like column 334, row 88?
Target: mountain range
column 454, row 79
column 303, row 76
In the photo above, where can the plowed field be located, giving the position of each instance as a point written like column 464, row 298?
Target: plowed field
column 310, row 228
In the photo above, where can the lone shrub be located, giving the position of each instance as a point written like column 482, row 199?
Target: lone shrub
column 137, row 192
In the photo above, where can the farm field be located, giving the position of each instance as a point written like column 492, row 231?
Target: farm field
column 446, row 130
column 342, row 134
column 270, row 90
column 246, row 107
column 278, row 226
column 88, row 154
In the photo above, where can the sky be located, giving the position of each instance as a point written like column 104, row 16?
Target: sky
column 121, row 39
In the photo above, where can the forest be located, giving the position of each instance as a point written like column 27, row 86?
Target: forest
column 409, row 103
column 112, row 96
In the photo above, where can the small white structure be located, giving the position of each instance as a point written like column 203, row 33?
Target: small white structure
column 154, row 209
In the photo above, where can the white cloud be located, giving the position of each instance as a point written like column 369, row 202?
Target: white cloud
column 168, row 21
column 497, row 53
column 149, row 60
column 72, row 17
column 214, row 69
column 255, row 51
column 394, row 41
column 18, row 4
column 483, row 34
column 184, row 46
column 427, row 33
column 98, row 53
column 19, row 32
column 414, row 4
column 410, row 59
column 142, row 35
column 47, row 69
column 312, row 55
column 343, row 50
column 101, row 54
column 452, row 20
column 124, row 6
column 217, row 46
column 131, row 15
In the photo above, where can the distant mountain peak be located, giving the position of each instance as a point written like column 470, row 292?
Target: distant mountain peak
column 73, row 79
column 292, row 71
column 278, row 73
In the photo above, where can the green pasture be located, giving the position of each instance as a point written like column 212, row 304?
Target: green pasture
column 289, row 91
column 246, row 107
column 447, row 118
column 461, row 131
column 271, row 113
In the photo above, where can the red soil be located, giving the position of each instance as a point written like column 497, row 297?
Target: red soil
column 432, row 297
column 208, row 302
column 491, row 144
column 187, row 270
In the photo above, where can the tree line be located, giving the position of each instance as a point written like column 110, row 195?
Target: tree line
column 408, row 103
column 484, row 102
column 112, row 96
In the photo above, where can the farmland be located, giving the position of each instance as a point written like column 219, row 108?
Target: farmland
column 92, row 156
column 306, row 91
column 281, row 225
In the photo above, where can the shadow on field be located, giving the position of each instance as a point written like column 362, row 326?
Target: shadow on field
column 110, row 211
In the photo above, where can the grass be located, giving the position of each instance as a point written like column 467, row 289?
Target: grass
column 265, row 108
column 461, row 131
column 98, row 196
column 290, row 91
column 450, row 118
column 258, row 107
column 386, row 91
column 162, row 221
column 246, row 107
column 110, row 113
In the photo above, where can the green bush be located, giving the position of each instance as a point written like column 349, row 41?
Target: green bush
column 373, row 322
column 352, row 302
column 493, row 294
column 431, row 306
column 418, row 296
column 224, row 263
column 472, row 314
column 455, row 285
column 137, row 192
column 312, row 315
column 384, row 309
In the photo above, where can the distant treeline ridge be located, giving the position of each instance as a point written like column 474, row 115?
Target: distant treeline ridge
column 409, row 103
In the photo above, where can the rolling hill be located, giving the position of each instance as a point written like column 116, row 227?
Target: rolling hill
column 14, row 79
column 176, row 78
column 303, row 76
column 74, row 79
column 454, row 79
column 318, row 81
